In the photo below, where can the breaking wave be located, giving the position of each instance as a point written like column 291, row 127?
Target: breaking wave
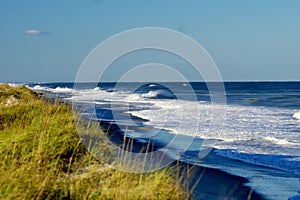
column 297, row 115
column 159, row 94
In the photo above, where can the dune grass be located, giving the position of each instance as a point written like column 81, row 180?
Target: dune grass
column 42, row 157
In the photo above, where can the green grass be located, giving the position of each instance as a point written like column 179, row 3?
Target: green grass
column 42, row 157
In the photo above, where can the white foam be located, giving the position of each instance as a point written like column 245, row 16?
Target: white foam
column 248, row 133
column 14, row 84
column 253, row 131
column 98, row 94
column 38, row 87
column 97, row 88
column 259, row 135
column 61, row 90
column 158, row 93
column 278, row 141
column 297, row 115
column 55, row 90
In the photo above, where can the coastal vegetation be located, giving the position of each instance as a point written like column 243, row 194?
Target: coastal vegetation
column 42, row 157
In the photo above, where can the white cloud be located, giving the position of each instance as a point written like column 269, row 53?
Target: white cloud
column 36, row 32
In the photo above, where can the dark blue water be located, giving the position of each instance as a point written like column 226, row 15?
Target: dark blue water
column 271, row 94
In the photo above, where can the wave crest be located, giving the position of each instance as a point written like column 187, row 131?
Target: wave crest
column 159, row 94
column 54, row 90
column 297, row 115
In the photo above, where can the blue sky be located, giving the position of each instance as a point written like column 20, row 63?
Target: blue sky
column 248, row 40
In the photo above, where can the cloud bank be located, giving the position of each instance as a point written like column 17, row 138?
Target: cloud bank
column 36, row 32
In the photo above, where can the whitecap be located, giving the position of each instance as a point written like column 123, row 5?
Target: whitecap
column 13, row 84
column 158, row 94
column 276, row 140
column 297, row 115
column 61, row 90
column 97, row 88
column 38, row 87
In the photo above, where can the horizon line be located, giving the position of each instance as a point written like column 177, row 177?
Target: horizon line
column 193, row 81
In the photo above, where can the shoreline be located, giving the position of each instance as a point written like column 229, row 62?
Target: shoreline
column 271, row 182
column 213, row 184
column 42, row 156
column 205, row 182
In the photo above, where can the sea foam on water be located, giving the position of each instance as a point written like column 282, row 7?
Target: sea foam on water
column 297, row 115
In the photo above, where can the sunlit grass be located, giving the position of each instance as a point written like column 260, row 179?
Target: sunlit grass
column 42, row 157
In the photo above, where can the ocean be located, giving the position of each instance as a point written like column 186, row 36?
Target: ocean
column 255, row 134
